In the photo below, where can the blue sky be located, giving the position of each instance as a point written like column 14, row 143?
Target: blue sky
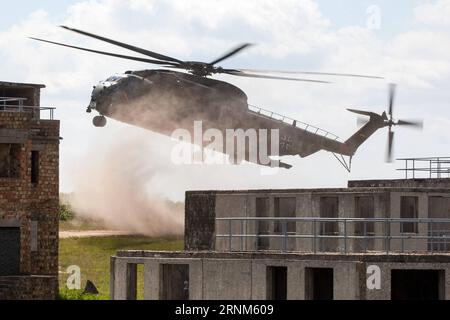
column 410, row 48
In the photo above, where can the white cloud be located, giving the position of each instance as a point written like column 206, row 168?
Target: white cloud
column 289, row 34
column 434, row 13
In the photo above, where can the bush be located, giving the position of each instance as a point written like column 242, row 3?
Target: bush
column 65, row 212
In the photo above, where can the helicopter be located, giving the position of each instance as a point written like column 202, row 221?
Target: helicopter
column 163, row 100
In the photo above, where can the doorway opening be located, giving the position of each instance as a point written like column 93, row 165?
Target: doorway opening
column 135, row 281
column 417, row 284
column 276, row 283
column 9, row 251
column 319, row 283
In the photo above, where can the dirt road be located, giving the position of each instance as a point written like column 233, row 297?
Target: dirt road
column 92, row 233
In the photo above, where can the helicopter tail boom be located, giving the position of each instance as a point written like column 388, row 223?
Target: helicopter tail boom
column 376, row 121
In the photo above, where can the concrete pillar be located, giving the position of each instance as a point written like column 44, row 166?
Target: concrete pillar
column 346, row 281
column 120, row 279
column 259, row 285
column 296, row 281
column 346, row 210
column 112, row 276
column 381, row 202
column 304, row 210
column 195, row 279
column 151, row 280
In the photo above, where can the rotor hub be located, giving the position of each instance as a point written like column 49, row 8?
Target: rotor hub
column 200, row 68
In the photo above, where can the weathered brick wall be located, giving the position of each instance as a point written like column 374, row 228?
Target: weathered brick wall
column 24, row 201
column 28, row 288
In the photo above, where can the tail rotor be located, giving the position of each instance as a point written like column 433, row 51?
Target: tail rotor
column 390, row 122
column 378, row 121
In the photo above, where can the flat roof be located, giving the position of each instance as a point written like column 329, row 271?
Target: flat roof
column 380, row 257
column 21, row 85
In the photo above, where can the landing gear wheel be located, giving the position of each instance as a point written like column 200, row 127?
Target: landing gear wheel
column 99, row 121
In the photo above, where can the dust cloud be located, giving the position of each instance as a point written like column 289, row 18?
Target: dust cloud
column 113, row 185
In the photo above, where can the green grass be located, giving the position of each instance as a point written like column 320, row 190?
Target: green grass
column 92, row 255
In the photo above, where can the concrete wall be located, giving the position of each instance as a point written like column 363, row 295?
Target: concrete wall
column 119, row 282
column 230, row 279
column 386, row 205
column 413, row 244
column 307, row 206
column 199, row 221
column 233, row 276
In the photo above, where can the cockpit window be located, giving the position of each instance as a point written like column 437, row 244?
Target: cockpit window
column 114, row 79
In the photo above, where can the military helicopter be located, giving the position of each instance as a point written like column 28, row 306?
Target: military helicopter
column 163, row 100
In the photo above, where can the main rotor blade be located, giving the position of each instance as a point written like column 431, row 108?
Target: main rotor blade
column 392, row 88
column 107, row 53
column 390, row 146
column 126, row 46
column 311, row 73
column 362, row 112
column 249, row 75
column 231, row 53
column 416, row 124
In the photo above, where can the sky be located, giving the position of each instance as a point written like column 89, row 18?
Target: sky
column 405, row 41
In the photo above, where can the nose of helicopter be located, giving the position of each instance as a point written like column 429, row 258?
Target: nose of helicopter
column 107, row 84
column 96, row 94
column 98, row 90
column 102, row 90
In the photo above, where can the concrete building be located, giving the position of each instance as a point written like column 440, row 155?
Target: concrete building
column 385, row 239
column 29, row 194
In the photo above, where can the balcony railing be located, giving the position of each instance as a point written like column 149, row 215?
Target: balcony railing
column 432, row 167
column 333, row 235
column 12, row 104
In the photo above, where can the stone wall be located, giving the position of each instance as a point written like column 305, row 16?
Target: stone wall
column 28, row 287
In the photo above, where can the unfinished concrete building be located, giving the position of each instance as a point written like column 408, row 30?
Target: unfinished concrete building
column 385, row 240
column 29, row 194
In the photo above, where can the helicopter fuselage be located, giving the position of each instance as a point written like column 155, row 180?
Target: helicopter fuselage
column 166, row 100
column 163, row 101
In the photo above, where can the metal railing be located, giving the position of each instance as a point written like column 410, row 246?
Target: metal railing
column 433, row 167
column 36, row 111
column 333, row 235
column 12, row 104
column 296, row 123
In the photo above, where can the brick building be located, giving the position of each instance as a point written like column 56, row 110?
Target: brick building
column 29, row 194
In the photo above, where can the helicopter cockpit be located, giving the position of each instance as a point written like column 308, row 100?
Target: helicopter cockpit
column 115, row 79
column 102, row 85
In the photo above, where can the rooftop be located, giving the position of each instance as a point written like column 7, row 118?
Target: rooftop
column 21, row 85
